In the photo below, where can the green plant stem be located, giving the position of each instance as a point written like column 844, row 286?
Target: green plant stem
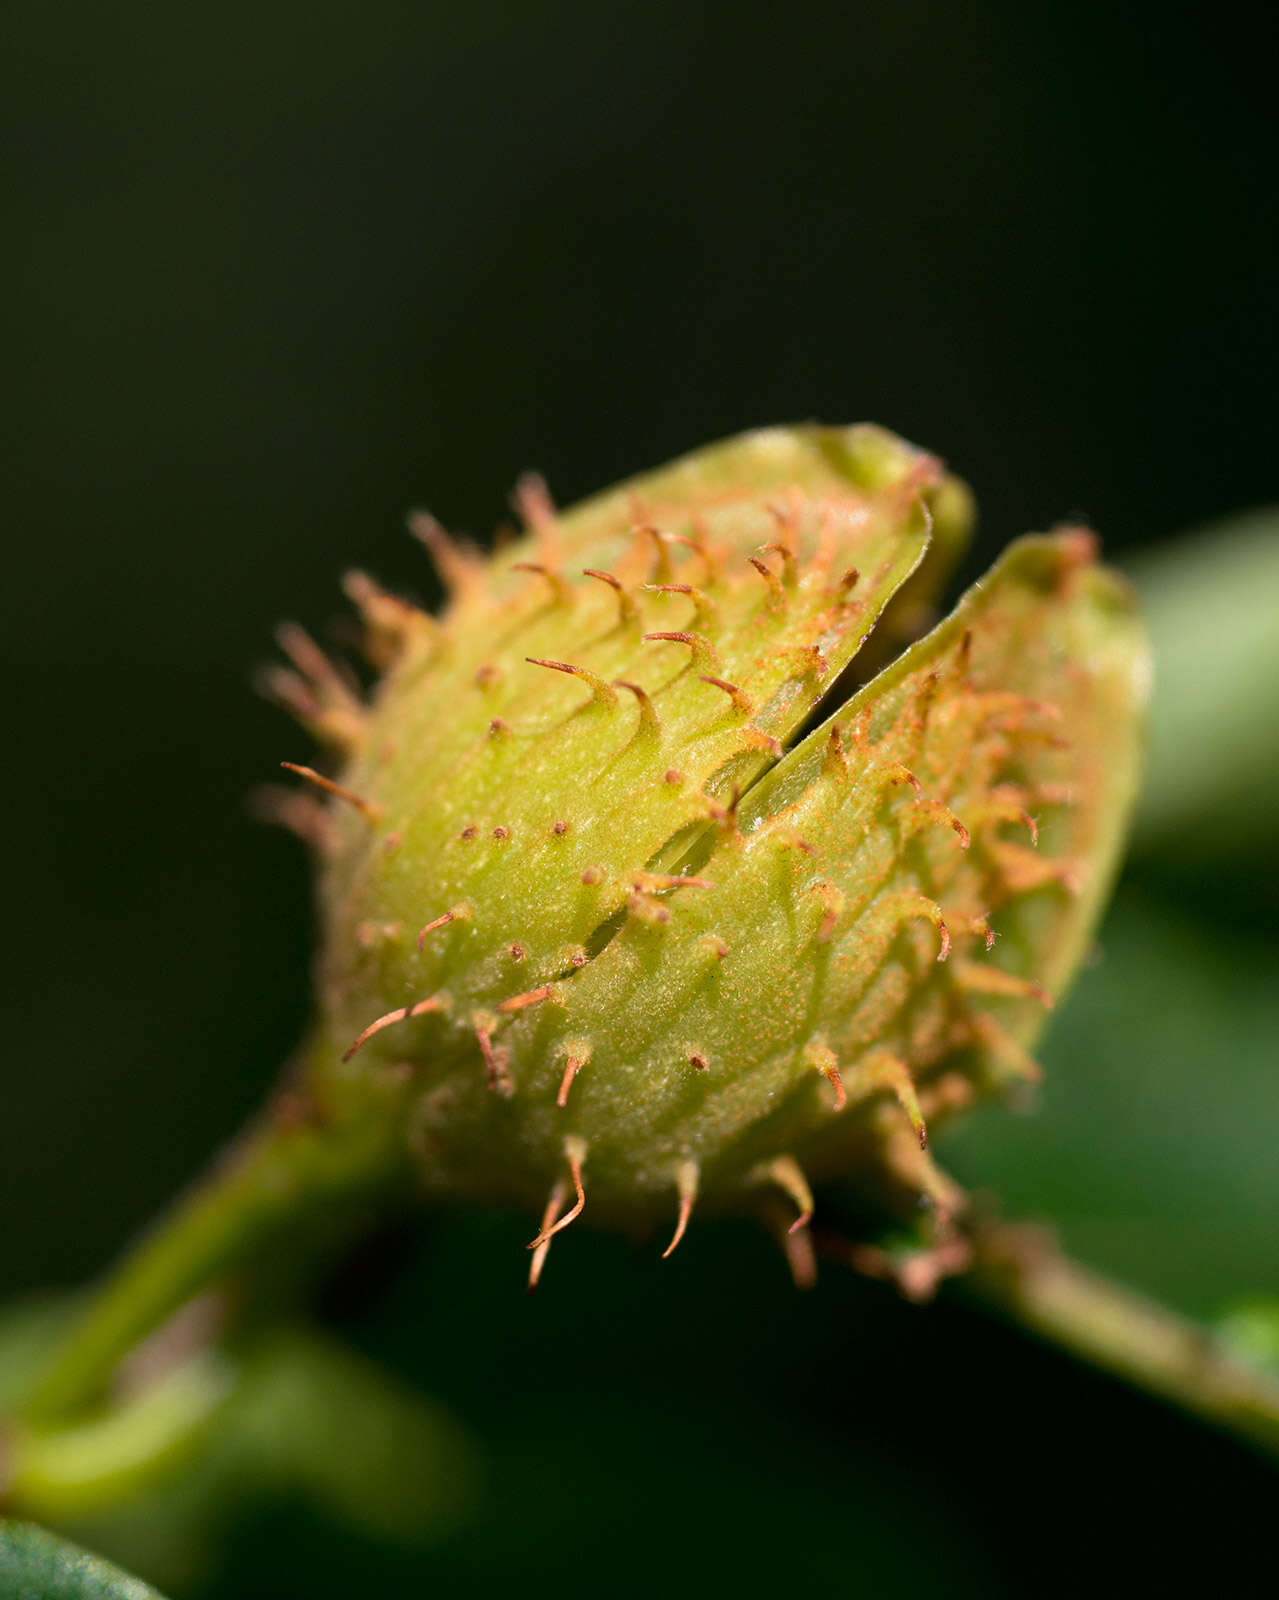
column 281, row 1195
column 1115, row 1328
column 62, row 1471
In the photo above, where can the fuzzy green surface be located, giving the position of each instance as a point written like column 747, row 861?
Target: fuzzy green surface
column 554, row 814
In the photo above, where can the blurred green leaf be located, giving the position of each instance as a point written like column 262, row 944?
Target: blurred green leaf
column 29, row 1327
column 36, row 1565
column 302, row 1422
column 1212, row 604
column 1153, row 1149
column 317, row 1420
column 1251, row 1329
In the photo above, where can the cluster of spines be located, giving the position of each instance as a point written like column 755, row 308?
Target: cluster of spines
column 878, row 1069
column 721, row 743
column 327, row 702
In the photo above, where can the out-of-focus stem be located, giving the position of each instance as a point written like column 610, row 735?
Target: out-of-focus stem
column 280, row 1193
column 1117, row 1329
column 73, row 1467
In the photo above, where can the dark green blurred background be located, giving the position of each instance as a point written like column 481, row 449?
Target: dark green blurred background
column 274, row 273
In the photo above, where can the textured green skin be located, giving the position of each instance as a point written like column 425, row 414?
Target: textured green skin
column 36, row 1565
column 702, row 1007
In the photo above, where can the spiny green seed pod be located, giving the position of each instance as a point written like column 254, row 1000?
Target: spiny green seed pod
column 638, row 902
